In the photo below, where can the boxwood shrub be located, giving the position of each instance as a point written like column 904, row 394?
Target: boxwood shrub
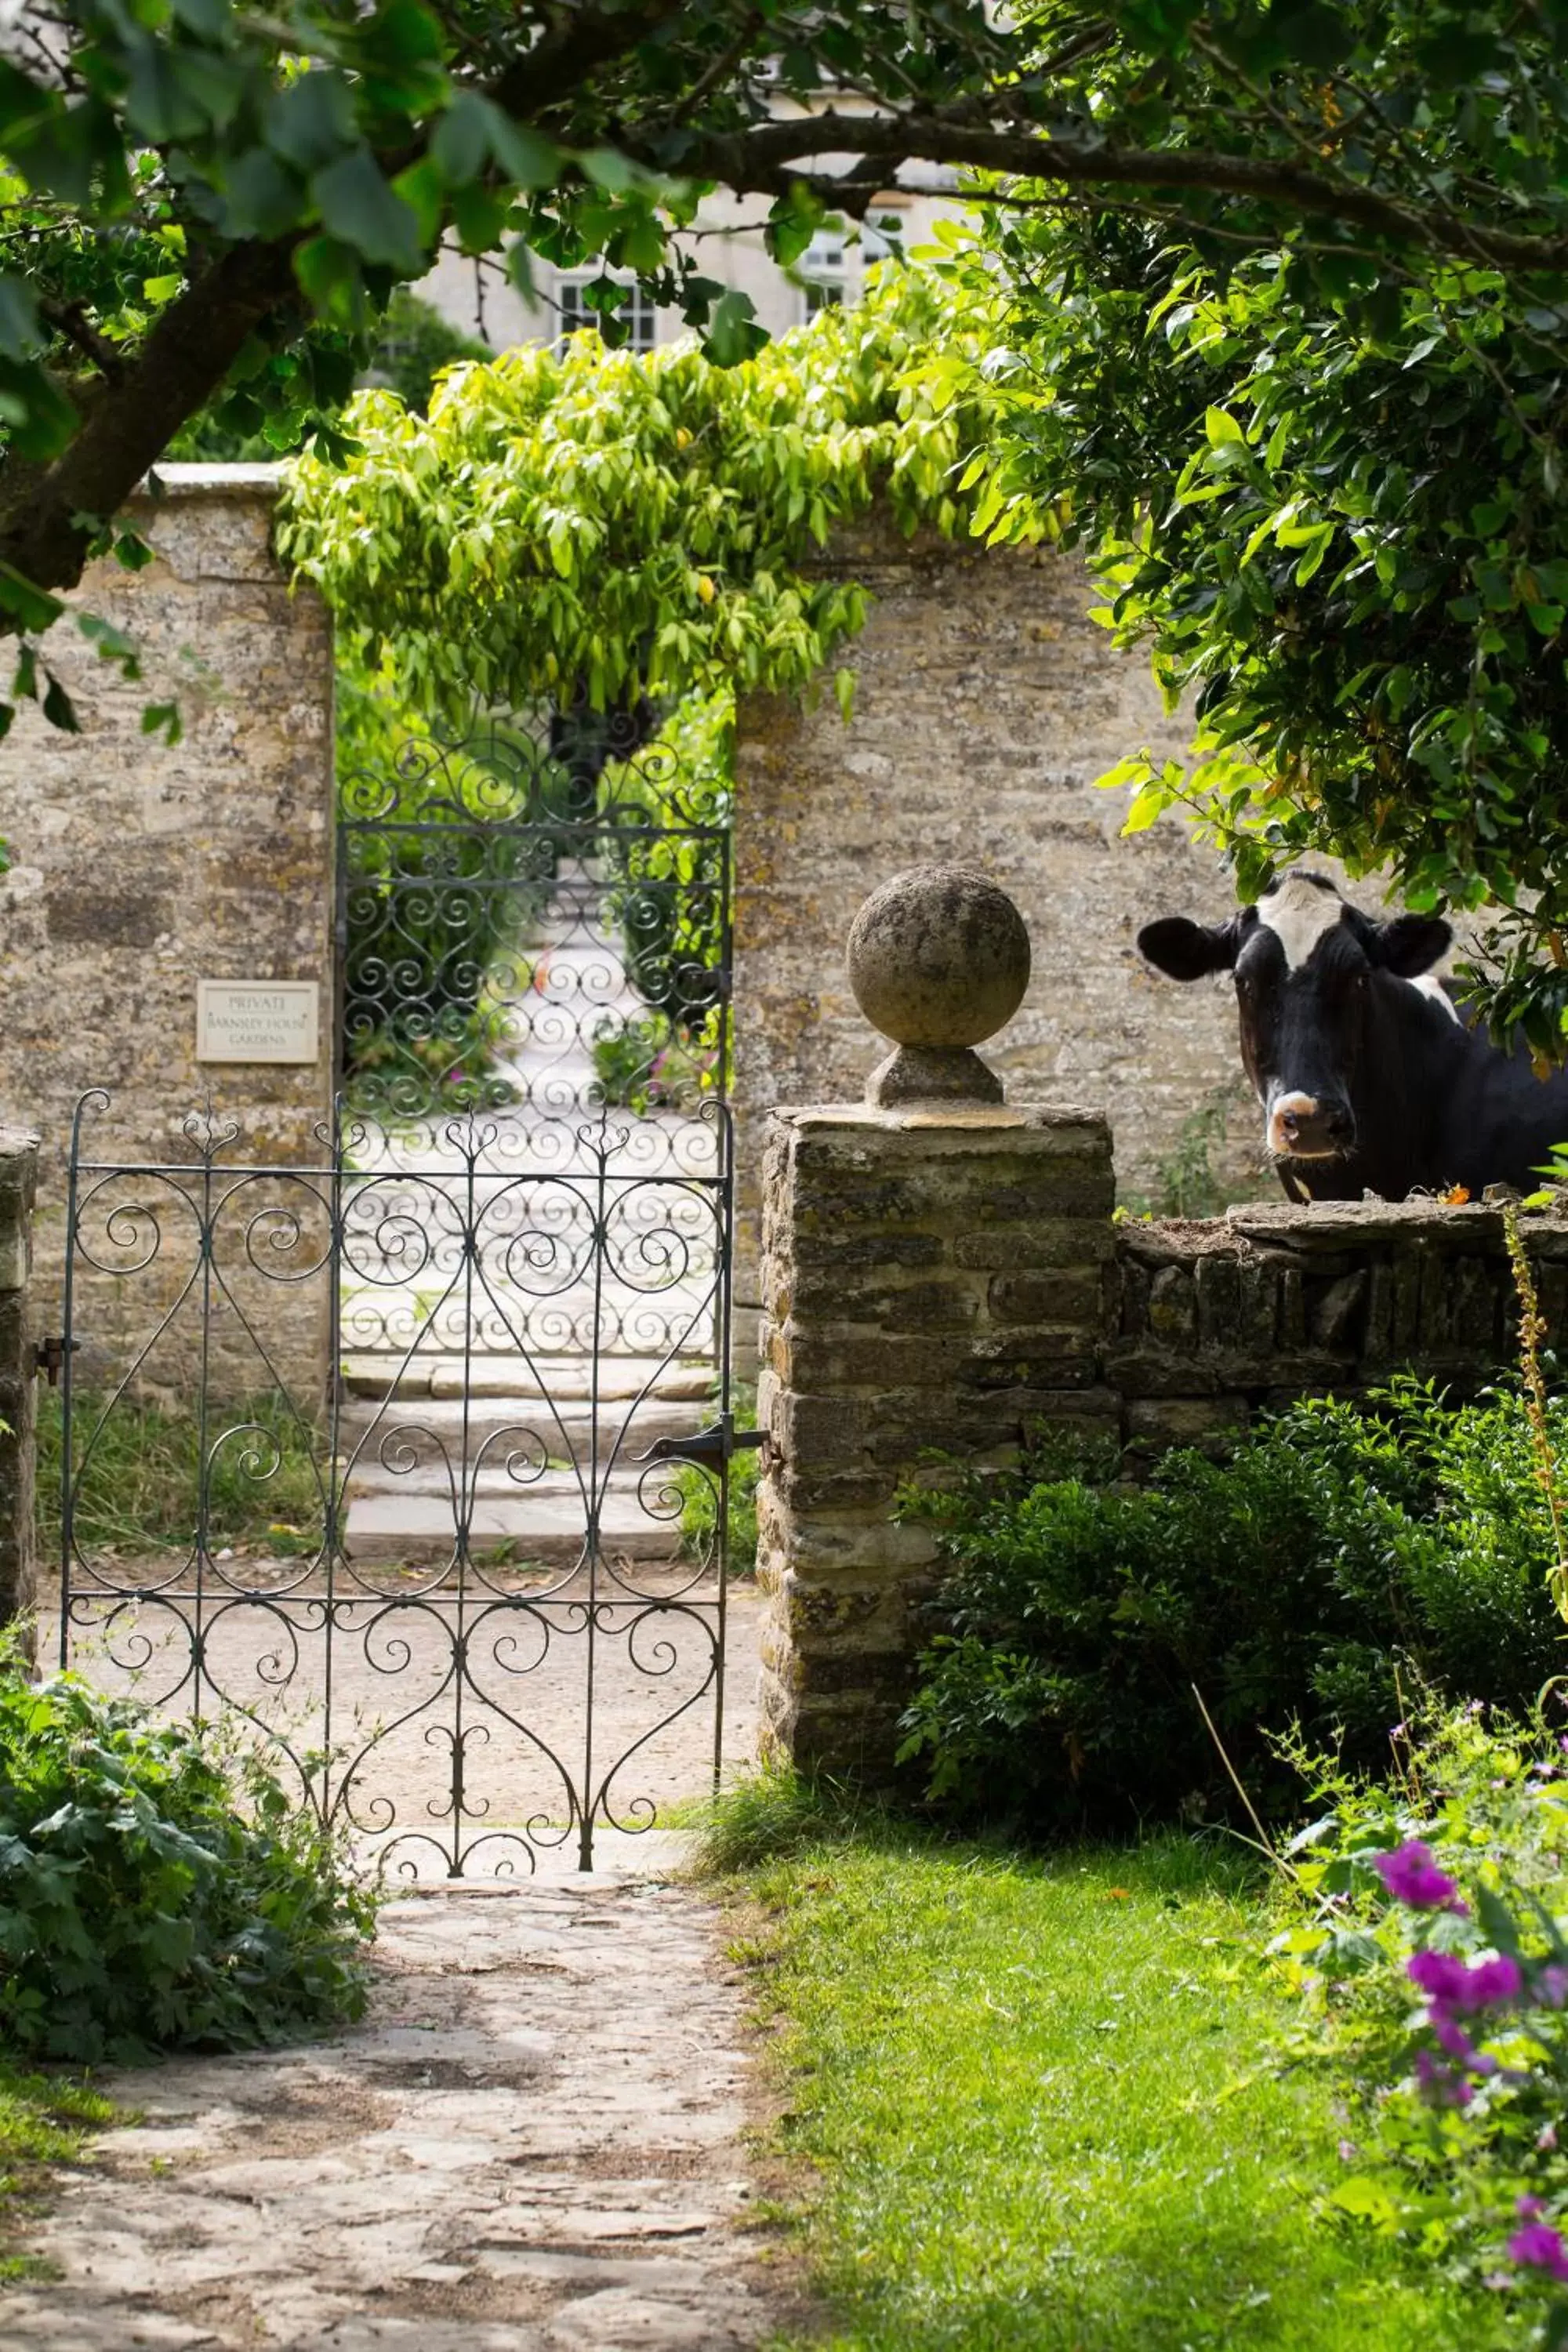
column 1339, row 1556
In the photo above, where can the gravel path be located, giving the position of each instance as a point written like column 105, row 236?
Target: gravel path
column 533, row 2145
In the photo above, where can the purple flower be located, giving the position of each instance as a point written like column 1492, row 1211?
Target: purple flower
column 1530, row 2209
column 1493, row 1982
column 1551, row 1987
column 1452, row 1984
column 1546, row 2137
column 1451, row 2036
column 1539, row 2247
column 1411, row 1877
column 1439, row 2085
column 1439, row 1974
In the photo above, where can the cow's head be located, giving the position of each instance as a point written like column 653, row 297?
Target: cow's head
column 1308, row 970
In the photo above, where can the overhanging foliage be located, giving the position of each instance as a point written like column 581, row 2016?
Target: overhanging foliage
column 615, row 525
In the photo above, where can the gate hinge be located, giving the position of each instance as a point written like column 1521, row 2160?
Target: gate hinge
column 49, row 1355
column 707, row 1447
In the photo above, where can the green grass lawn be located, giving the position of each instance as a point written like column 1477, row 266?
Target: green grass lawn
column 1043, row 2108
column 44, row 2120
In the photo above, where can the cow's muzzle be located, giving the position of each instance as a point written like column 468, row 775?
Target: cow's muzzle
column 1307, row 1127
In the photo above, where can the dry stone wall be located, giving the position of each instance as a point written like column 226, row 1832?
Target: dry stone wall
column 1207, row 1323
column 138, row 869
column 937, row 1282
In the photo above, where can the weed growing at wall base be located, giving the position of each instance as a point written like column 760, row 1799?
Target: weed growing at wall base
column 44, row 2121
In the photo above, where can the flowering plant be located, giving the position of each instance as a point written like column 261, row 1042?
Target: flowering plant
column 1433, row 1964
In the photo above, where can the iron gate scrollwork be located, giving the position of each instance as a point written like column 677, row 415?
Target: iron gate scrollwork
column 469, row 1584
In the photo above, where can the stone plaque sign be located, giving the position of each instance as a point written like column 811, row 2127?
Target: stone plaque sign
column 258, row 1020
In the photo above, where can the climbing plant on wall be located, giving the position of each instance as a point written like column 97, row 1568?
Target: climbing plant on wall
column 615, row 525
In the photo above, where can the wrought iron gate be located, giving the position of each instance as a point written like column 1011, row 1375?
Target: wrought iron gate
column 468, row 1585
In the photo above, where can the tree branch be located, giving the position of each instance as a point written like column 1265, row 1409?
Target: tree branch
column 184, row 360
column 755, row 160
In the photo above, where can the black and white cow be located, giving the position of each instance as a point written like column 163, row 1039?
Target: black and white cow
column 1368, row 1079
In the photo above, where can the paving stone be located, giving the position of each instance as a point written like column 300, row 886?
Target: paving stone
column 533, row 2145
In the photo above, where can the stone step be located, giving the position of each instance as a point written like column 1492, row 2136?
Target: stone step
column 535, row 1525
column 569, row 1378
column 568, row 1431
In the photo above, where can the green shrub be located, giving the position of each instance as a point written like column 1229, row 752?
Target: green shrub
column 154, row 1895
column 646, row 1065
column 1335, row 1552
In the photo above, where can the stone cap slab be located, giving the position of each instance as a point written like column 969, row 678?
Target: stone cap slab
column 968, row 1119
column 197, row 481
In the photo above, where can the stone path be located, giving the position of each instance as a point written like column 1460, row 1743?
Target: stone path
column 532, row 2145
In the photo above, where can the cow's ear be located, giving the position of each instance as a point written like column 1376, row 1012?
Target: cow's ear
column 1411, row 944
column 1184, row 949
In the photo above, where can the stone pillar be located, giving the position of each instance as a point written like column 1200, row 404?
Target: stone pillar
column 19, row 1177
column 938, row 1272
column 934, row 1280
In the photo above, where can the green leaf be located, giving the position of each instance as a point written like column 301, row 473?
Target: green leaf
column 39, row 416
column 525, row 155
column 1221, row 430
column 59, row 708
column 478, row 215
column 610, row 170
column 30, row 607
column 463, row 145
column 329, row 273
column 420, row 188
column 732, row 333
column 361, row 210
column 261, row 198
column 20, row 333
column 793, row 223
column 312, row 119
column 163, row 718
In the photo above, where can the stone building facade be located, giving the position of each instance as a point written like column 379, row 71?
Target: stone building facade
column 139, row 869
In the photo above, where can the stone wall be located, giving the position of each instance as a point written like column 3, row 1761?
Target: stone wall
column 938, row 1281
column 986, row 703
column 138, row 869
column 1207, row 1322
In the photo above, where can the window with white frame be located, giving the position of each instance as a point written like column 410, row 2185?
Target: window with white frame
column 637, row 312
column 824, row 272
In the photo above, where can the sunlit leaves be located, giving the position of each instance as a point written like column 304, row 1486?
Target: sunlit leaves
column 632, row 523
column 1346, row 548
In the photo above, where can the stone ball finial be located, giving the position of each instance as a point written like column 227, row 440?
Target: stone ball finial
column 939, row 960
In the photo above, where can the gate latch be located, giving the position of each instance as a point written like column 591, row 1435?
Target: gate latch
column 49, row 1355
column 708, row 1447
